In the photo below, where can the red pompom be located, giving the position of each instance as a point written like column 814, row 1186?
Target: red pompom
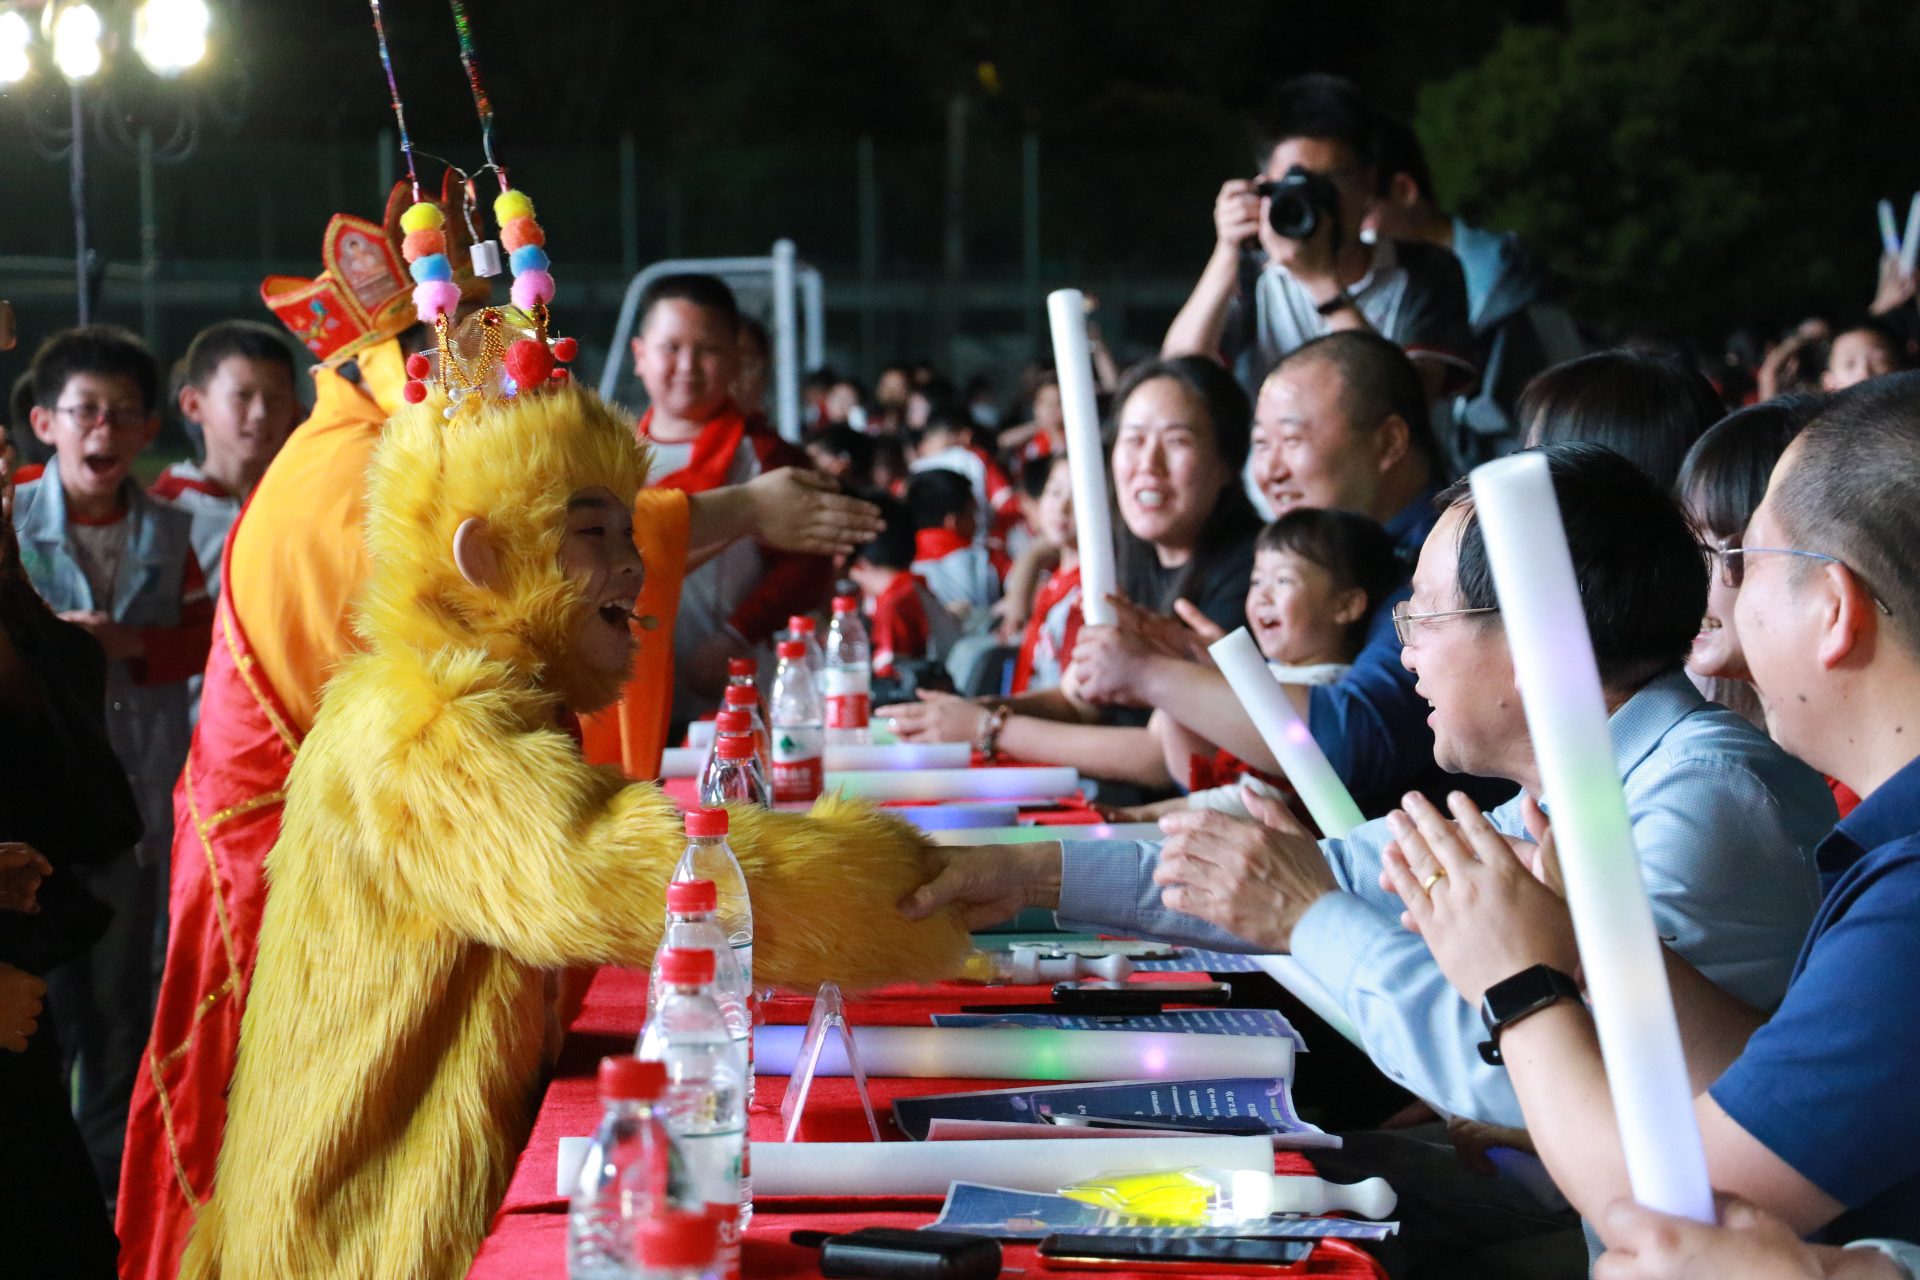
column 565, row 349
column 529, row 362
column 418, row 366
column 559, row 375
column 414, row 392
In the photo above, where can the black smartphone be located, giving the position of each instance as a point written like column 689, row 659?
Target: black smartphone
column 900, row 1254
column 1137, row 997
column 1176, row 1255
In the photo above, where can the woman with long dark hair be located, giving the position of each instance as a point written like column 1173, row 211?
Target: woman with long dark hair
column 1178, row 435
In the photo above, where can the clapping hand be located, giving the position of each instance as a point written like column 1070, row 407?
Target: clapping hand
column 1467, row 891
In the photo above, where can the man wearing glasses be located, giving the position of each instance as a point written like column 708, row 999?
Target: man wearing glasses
column 1264, row 293
column 1725, row 821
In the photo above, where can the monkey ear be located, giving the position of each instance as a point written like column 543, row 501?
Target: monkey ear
column 476, row 554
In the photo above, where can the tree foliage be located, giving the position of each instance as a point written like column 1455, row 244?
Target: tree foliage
column 1691, row 165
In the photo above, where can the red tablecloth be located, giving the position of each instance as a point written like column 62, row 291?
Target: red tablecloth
column 528, row 1240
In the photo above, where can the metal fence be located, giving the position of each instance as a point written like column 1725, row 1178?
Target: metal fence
column 927, row 251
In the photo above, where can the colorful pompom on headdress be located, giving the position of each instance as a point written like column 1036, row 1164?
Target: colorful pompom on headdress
column 497, row 351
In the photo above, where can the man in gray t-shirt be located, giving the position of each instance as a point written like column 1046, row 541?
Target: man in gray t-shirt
column 1263, row 294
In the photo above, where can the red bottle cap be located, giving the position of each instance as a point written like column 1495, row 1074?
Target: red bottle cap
column 737, row 746
column 686, row 966
column 796, row 649
column 678, row 1241
column 739, row 695
column 730, row 723
column 845, row 604
column 800, row 626
column 631, row 1080
column 712, row 822
column 741, row 667
column 692, row 895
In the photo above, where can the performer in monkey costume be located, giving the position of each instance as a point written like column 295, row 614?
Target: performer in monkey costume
column 445, row 848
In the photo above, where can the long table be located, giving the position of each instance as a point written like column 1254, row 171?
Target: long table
column 528, row 1238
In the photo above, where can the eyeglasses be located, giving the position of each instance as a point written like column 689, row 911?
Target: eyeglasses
column 1733, row 566
column 86, row 415
column 1403, row 621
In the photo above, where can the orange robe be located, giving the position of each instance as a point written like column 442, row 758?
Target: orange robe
column 294, row 562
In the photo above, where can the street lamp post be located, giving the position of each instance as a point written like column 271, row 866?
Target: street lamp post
column 169, row 35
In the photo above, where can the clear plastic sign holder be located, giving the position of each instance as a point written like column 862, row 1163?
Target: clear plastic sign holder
column 829, row 1018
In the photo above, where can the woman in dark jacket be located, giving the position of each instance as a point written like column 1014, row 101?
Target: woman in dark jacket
column 66, row 797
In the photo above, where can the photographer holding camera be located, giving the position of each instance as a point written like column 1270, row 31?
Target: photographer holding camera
column 1289, row 265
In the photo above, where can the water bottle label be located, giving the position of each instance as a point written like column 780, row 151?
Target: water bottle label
column 726, row 1261
column 840, row 681
column 849, row 710
column 797, row 771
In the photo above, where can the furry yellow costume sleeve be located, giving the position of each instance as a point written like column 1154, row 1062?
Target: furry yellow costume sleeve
column 445, row 847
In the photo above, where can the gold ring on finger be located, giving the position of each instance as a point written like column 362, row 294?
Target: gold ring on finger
column 1426, row 886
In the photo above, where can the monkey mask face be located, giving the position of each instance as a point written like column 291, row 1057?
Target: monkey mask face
column 506, row 536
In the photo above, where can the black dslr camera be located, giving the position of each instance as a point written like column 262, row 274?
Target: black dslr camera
column 1299, row 201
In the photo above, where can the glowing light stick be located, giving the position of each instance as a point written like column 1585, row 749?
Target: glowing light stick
column 843, row 758
column 1619, row 950
column 1910, row 245
column 1889, row 234
column 1024, row 1164
column 1033, row 1053
column 959, row 817
column 1036, row 783
column 1086, row 455
column 1032, row 835
column 1327, row 799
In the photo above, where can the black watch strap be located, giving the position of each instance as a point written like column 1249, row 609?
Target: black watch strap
column 1338, row 302
column 1525, row 993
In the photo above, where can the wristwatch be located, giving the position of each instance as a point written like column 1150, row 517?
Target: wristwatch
column 1903, row 1254
column 1337, row 302
column 1526, row 992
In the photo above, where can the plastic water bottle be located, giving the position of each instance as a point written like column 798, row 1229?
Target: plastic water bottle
column 799, row 731
column 732, row 724
column 747, row 698
column 693, row 924
column 801, row 628
column 710, row 857
column 678, row 1246
column 849, row 675
column 705, row 1104
column 628, row 1176
column 733, row 775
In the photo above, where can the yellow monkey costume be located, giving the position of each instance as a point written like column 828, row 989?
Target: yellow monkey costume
column 445, row 848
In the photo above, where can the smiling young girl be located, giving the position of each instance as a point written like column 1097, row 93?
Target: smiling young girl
column 1317, row 577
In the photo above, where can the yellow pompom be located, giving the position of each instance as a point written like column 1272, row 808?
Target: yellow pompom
column 422, row 217
column 509, row 205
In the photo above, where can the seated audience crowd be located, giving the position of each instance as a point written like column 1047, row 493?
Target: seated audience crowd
column 1288, row 457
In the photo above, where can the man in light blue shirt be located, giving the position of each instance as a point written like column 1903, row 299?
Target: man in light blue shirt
column 1724, row 820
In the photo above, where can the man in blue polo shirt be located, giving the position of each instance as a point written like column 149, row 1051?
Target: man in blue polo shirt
column 1340, row 422
column 1811, row 1114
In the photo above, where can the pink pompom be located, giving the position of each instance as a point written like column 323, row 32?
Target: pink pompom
column 520, row 233
column 530, row 288
column 422, row 244
column 436, row 298
column 529, row 362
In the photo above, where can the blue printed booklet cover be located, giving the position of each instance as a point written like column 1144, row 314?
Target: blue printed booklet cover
column 1010, row 1214
column 1268, row 1101
column 1216, row 1022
